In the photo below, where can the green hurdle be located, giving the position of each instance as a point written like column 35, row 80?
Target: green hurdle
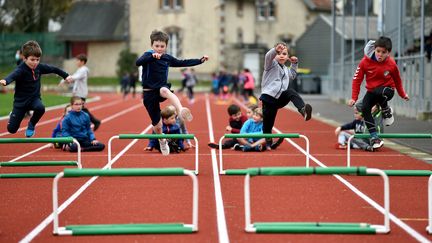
column 429, row 227
column 154, row 136
column 141, row 228
column 264, row 135
column 315, row 227
column 394, row 135
column 38, row 163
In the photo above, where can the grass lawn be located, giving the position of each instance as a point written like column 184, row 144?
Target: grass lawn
column 6, row 101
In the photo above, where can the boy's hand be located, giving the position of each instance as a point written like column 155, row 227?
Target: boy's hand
column 406, row 97
column 337, row 131
column 293, row 59
column 157, row 55
column 204, row 58
column 351, row 102
column 228, row 128
column 3, row 82
column 69, row 79
column 279, row 48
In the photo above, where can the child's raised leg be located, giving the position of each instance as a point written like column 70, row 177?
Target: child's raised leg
column 183, row 112
column 38, row 111
column 15, row 119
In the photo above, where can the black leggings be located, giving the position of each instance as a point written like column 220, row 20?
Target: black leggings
column 18, row 113
column 270, row 109
column 380, row 96
column 86, row 146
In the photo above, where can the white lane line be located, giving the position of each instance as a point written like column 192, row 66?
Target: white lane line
column 395, row 219
column 72, row 198
column 220, row 211
column 57, row 118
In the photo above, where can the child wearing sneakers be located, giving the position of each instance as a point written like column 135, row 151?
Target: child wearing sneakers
column 169, row 126
column 382, row 77
column 27, row 77
column 156, row 89
column 236, row 121
column 275, row 87
column 359, row 127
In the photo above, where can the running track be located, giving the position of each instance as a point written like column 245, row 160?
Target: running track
column 26, row 205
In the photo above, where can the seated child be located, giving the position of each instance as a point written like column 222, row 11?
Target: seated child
column 359, row 127
column 169, row 126
column 57, row 130
column 76, row 124
column 236, row 121
column 252, row 126
column 183, row 129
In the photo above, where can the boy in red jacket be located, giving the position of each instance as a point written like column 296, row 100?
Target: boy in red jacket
column 382, row 77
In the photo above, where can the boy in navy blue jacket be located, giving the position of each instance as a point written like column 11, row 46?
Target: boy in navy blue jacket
column 156, row 89
column 27, row 96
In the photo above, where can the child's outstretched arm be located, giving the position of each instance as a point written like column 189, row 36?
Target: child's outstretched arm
column 174, row 62
column 268, row 59
column 356, row 82
column 398, row 84
column 3, row 82
column 145, row 58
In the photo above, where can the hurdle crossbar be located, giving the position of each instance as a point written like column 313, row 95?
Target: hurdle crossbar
column 39, row 163
column 315, row 227
column 263, row 135
column 154, row 136
column 105, row 229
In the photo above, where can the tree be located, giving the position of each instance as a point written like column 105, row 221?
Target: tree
column 126, row 62
column 31, row 15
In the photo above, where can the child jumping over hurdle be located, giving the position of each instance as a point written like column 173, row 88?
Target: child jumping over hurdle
column 275, row 87
column 382, row 77
column 27, row 77
column 156, row 89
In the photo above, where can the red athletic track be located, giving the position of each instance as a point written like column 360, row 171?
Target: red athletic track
column 25, row 203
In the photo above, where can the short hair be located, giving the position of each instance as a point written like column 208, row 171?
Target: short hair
column 384, row 42
column 82, row 58
column 31, row 48
column 252, row 107
column 233, row 109
column 258, row 111
column 74, row 98
column 167, row 112
column 157, row 35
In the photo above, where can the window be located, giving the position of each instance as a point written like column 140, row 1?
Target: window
column 171, row 4
column 266, row 9
column 173, row 47
column 240, row 36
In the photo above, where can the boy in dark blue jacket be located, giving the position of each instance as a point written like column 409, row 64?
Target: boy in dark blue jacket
column 76, row 124
column 27, row 77
column 156, row 89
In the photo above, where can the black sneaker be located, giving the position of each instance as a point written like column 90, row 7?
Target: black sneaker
column 388, row 117
column 213, row 145
column 376, row 143
column 278, row 142
column 237, row 147
column 306, row 111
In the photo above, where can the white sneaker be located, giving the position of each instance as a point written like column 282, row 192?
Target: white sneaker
column 186, row 114
column 165, row 150
column 388, row 117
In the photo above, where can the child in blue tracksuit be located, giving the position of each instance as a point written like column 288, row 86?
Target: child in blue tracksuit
column 252, row 126
column 156, row 89
column 76, row 124
column 169, row 126
column 27, row 77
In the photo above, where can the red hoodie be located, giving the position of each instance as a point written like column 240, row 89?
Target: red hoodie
column 378, row 74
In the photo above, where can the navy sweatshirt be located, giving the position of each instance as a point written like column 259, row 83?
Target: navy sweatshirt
column 27, row 87
column 155, row 71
